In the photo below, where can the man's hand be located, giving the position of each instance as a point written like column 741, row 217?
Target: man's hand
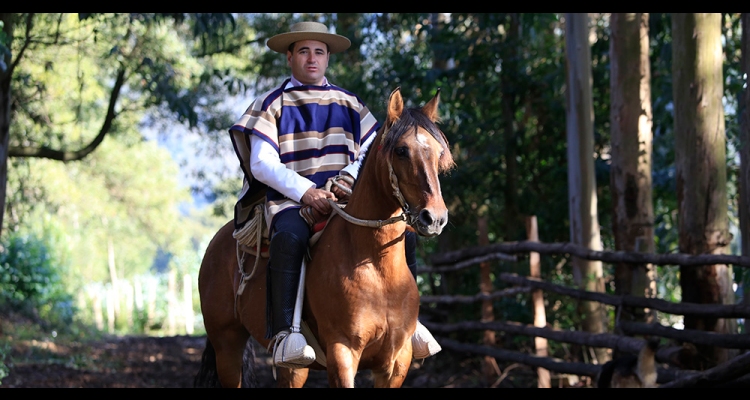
column 318, row 199
column 340, row 193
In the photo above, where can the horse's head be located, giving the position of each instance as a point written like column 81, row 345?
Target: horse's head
column 417, row 152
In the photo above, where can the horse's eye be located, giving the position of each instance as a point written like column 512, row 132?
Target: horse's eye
column 402, row 151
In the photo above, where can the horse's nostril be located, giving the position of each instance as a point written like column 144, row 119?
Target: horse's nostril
column 426, row 217
column 442, row 220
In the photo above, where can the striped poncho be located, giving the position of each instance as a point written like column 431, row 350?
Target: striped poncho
column 317, row 130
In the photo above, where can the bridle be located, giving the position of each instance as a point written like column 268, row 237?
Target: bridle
column 407, row 214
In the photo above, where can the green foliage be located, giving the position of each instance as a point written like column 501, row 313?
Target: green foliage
column 4, row 353
column 30, row 281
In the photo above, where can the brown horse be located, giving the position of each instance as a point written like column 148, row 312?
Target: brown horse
column 360, row 300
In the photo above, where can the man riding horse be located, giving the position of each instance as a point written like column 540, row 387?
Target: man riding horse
column 290, row 142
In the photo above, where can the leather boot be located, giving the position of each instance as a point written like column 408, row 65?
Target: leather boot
column 290, row 349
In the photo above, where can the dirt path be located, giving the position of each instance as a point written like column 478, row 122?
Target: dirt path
column 172, row 362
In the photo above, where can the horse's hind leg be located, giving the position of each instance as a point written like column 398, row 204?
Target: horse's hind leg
column 291, row 378
column 229, row 349
column 223, row 328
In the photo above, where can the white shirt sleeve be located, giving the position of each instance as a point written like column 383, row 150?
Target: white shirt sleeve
column 353, row 168
column 266, row 167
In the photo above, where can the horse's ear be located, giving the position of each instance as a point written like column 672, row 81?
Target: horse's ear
column 395, row 105
column 431, row 108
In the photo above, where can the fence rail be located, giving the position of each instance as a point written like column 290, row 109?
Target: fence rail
column 736, row 371
column 507, row 248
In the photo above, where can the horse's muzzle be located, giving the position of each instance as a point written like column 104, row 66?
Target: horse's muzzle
column 430, row 223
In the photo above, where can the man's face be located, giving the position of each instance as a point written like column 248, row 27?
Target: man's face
column 308, row 61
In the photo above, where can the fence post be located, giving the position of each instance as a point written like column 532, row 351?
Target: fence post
column 172, row 308
column 127, row 288
column 151, row 305
column 187, row 293
column 111, row 300
column 537, row 299
column 489, row 365
column 98, row 312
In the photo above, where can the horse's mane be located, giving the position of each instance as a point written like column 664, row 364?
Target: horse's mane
column 411, row 118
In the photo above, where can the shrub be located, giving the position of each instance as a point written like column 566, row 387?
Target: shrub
column 30, row 281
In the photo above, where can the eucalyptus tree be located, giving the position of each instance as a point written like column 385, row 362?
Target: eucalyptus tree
column 582, row 195
column 631, row 137
column 700, row 158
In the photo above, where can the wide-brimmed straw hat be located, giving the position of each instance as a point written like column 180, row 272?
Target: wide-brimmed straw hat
column 308, row 31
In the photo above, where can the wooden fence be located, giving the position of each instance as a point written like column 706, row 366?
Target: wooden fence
column 735, row 372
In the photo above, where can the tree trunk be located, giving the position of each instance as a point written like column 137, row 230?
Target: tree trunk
column 6, row 72
column 700, row 161
column 745, row 152
column 584, row 220
column 632, row 136
column 510, row 104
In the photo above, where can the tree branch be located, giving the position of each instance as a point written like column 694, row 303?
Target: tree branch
column 27, row 37
column 231, row 49
column 61, row 155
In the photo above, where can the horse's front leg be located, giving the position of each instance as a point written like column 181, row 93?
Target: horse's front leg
column 394, row 376
column 342, row 364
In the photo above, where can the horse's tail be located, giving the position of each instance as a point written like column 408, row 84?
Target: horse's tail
column 249, row 379
column 207, row 375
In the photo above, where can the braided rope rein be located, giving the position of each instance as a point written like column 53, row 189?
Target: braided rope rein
column 250, row 235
